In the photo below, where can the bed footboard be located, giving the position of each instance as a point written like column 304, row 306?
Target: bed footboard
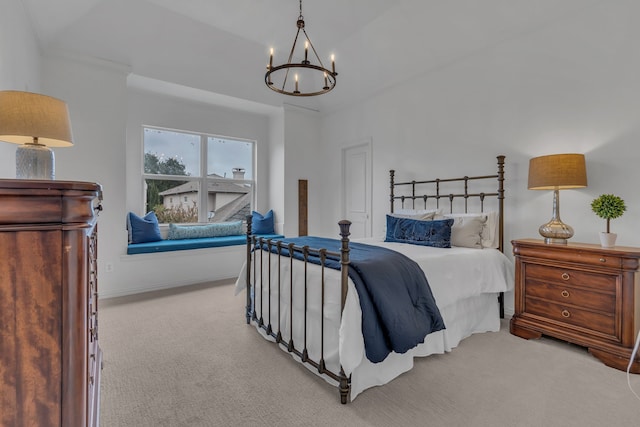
column 271, row 292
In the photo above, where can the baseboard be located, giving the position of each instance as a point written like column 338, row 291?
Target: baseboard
column 134, row 291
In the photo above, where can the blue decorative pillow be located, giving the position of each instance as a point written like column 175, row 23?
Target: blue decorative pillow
column 145, row 229
column 262, row 224
column 435, row 233
column 217, row 229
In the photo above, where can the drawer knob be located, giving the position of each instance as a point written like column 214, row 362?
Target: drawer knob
column 565, row 293
column 565, row 276
column 565, row 313
column 603, row 260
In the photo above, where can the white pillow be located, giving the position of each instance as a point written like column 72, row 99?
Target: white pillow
column 422, row 214
column 489, row 234
column 466, row 230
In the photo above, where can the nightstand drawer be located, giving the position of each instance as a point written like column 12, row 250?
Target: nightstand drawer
column 598, row 260
column 561, row 294
column 568, row 276
column 594, row 321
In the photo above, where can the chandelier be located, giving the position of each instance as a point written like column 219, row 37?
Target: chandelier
column 309, row 79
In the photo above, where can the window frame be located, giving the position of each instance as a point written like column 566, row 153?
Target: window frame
column 203, row 179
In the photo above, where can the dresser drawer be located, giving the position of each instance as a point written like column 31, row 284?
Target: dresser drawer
column 571, row 277
column 570, row 315
column 562, row 294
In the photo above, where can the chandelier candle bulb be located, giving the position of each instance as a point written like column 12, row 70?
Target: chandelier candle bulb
column 306, row 52
column 271, row 59
column 297, row 91
column 326, row 84
column 333, row 64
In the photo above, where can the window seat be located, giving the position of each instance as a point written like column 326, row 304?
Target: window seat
column 186, row 244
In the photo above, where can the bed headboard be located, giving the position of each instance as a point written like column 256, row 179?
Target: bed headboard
column 421, row 193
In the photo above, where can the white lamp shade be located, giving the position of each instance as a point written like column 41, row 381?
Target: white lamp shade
column 25, row 116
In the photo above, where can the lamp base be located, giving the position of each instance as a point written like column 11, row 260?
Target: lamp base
column 556, row 232
column 34, row 161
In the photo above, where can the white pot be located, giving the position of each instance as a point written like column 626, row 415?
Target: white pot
column 608, row 240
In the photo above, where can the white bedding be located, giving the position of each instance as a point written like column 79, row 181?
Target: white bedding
column 464, row 282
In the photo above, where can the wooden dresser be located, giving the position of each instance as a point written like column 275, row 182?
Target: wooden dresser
column 49, row 354
column 581, row 293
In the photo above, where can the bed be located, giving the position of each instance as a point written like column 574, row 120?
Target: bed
column 301, row 295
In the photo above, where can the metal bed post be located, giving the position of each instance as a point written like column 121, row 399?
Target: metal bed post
column 392, row 184
column 344, row 270
column 501, row 221
column 501, row 202
column 248, row 278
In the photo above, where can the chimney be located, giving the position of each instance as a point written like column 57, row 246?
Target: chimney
column 238, row 173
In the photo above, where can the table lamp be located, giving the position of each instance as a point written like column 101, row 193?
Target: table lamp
column 557, row 172
column 37, row 122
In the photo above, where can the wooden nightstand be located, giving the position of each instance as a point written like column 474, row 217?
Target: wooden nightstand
column 581, row 293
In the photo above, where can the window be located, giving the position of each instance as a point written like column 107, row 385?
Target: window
column 179, row 165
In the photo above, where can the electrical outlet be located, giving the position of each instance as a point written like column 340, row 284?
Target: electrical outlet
column 108, row 267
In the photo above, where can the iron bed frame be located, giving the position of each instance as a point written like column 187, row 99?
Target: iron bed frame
column 264, row 248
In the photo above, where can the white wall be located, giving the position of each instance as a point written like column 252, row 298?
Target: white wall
column 19, row 66
column 95, row 92
column 568, row 87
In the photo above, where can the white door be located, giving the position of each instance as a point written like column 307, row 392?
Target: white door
column 356, row 185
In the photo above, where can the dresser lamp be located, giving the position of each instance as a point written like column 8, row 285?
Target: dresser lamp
column 36, row 122
column 557, row 172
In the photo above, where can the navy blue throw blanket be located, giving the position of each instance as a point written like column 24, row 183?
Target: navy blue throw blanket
column 398, row 308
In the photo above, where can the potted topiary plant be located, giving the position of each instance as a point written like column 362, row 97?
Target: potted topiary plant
column 608, row 206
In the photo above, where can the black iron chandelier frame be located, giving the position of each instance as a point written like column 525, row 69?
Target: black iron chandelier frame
column 328, row 75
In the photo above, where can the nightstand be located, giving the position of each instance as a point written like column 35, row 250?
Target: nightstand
column 581, row 293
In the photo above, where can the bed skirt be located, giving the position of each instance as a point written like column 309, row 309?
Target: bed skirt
column 462, row 319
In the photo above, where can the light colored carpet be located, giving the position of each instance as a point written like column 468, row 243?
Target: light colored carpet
column 186, row 357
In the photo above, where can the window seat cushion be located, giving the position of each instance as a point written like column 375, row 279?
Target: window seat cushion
column 186, row 244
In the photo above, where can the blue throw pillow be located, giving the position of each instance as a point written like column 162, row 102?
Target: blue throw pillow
column 145, row 229
column 262, row 224
column 435, row 233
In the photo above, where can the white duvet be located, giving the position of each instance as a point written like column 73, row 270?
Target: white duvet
column 464, row 282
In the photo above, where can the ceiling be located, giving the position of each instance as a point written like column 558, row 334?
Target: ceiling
column 222, row 46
